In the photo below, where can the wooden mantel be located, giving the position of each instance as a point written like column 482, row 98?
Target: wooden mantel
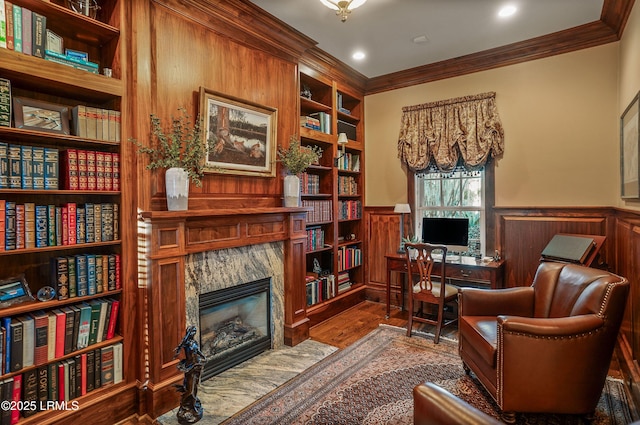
column 172, row 235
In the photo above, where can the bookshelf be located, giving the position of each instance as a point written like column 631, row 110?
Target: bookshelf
column 40, row 247
column 335, row 192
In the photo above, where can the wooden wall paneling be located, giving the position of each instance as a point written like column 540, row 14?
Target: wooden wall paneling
column 296, row 328
column 383, row 237
column 523, row 234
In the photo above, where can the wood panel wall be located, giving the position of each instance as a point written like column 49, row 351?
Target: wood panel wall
column 521, row 235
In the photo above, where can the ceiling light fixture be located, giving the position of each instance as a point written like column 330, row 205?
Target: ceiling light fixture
column 343, row 7
column 507, row 11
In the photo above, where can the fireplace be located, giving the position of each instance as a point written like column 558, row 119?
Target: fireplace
column 235, row 324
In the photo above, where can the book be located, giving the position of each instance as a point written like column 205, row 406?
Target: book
column 105, row 328
column 76, row 326
column 90, row 368
column 97, row 374
column 51, row 225
column 41, row 335
column 81, row 276
column 51, row 176
column 91, row 274
column 7, row 394
column 113, row 319
column 15, row 345
column 2, row 340
column 61, row 322
column 73, row 281
column 15, row 167
column 60, row 274
column 68, row 329
column 83, row 183
column 63, row 381
column 108, row 171
column 100, row 176
column 107, row 365
column 77, row 364
column 26, row 167
column 6, row 325
column 10, row 226
column 72, row 378
column 5, row 102
column 107, row 222
column 8, row 14
column 92, row 122
column 91, row 170
column 102, row 320
column 83, row 375
column 90, row 232
column 17, row 396
column 117, row 363
column 4, row 165
column 81, row 234
column 19, row 226
column 29, row 225
column 99, row 274
column 42, row 233
column 71, row 222
column 39, row 33
column 111, row 272
column 69, row 169
column 104, row 120
column 27, row 31
column 79, row 118
column 28, row 340
column 53, row 381
column 3, row 217
column 17, row 28
column 115, row 173
column 574, row 249
column 97, row 222
column 43, row 384
column 95, row 321
column 30, row 392
column 51, row 336
column 85, row 326
column 3, row 25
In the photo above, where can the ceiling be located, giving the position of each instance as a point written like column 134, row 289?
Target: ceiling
column 384, row 29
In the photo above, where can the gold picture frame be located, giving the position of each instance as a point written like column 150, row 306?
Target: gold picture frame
column 240, row 136
column 629, row 147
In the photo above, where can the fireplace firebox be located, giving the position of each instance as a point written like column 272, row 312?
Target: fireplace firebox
column 235, row 325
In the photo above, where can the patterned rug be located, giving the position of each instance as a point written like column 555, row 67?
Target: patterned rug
column 370, row 382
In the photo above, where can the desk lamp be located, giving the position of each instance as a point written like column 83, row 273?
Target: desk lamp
column 402, row 209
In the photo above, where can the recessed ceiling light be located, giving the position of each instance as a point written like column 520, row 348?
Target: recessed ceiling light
column 359, row 55
column 507, row 11
column 420, row 39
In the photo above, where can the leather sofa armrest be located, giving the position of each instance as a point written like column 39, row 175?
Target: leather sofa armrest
column 493, row 302
column 551, row 327
column 433, row 405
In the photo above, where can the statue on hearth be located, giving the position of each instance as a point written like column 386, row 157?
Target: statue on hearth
column 191, row 410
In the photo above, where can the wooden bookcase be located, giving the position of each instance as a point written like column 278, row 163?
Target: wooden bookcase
column 336, row 194
column 35, row 78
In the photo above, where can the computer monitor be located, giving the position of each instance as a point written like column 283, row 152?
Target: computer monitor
column 452, row 232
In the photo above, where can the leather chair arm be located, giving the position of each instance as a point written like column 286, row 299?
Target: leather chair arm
column 492, row 302
column 551, row 327
column 433, row 405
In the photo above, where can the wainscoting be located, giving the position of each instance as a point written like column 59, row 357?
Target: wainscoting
column 521, row 234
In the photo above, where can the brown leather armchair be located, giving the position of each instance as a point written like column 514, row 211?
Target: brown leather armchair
column 433, row 405
column 544, row 348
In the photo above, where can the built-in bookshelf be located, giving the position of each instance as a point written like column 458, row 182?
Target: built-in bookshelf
column 61, row 205
column 335, row 276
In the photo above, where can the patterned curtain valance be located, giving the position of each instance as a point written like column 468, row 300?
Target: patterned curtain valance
column 463, row 131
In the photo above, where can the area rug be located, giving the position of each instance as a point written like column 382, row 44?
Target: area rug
column 371, row 382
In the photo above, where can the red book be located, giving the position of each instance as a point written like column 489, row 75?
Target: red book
column 113, row 318
column 83, row 375
column 100, row 175
column 92, row 183
column 10, row 23
column 61, row 381
column 118, row 283
column 83, row 183
column 69, row 169
column 108, row 171
column 17, row 391
column 41, row 329
column 65, row 225
column 61, row 322
column 115, row 173
column 71, row 222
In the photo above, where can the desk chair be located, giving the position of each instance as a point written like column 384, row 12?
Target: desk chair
column 420, row 265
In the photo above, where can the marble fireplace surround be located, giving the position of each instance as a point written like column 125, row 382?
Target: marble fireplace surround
column 225, row 268
column 187, row 252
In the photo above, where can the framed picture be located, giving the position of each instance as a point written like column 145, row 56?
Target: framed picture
column 37, row 115
column 240, row 136
column 629, row 139
column 14, row 290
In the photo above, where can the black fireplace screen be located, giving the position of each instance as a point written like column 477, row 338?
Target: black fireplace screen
column 235, row 325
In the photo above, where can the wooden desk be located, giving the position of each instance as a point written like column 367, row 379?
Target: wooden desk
column 466, row 272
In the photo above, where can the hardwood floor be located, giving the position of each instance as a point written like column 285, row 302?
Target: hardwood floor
column 349, row 326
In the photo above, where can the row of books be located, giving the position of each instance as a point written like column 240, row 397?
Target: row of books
column 349, row 162
column 349, row 210
column 85, row 274
column 320, row 288
column 323, row 122
column 37, row 226
column 310, row 122
column 22, row 30
column 58, row 384
column 344, row 281
column 37, row 338
column 89, row 170
column 321, row 212
column 341, row 108
column 310, row 184
column 71, row 59
column 315, row 238
column 96, row 123
column 28, row 167
column 349, row 257
column 347, row 185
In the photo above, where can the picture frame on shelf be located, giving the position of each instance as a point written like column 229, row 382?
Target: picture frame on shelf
column 31, row 114
column 240, row 136
column 14, row 290
column 629, row 146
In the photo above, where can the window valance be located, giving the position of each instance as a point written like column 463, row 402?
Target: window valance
column 462, row 131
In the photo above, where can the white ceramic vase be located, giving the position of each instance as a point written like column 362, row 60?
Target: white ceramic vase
column 291, row 190
column 177, row 185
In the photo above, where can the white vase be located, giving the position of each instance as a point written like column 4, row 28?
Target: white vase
column 291, row 190
column 177, row 184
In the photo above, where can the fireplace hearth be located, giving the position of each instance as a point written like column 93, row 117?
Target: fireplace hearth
column 235, row 325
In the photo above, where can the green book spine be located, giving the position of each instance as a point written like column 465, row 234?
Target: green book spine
column 17, row 28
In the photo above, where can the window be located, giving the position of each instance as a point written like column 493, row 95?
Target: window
column 457, row 194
